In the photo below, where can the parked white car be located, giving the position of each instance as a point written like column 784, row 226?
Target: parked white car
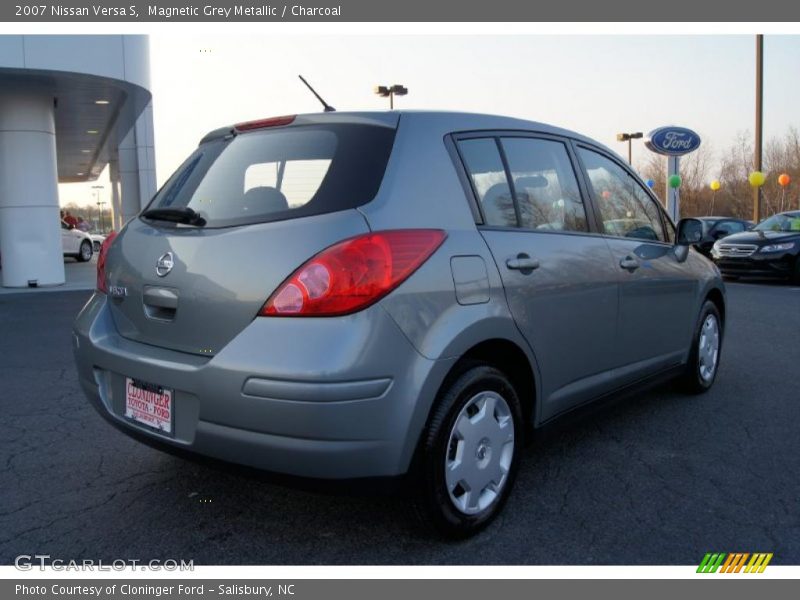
column 97, row 241
column 76, row 243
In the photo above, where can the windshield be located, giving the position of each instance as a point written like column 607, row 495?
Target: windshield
column 277, row 174
column 781, row 222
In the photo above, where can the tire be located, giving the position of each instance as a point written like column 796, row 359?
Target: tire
column 795, row 278
column 96, row 247
column 706, row 347
column 489, row 451
column 85, row 252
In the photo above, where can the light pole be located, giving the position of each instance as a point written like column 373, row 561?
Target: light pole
column 99, row 202
column 759, row 123
column 627, row 137
column 387, row 91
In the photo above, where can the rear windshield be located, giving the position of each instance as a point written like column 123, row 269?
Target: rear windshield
column 278, row 174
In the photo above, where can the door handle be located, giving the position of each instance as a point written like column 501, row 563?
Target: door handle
column 629, row 264
column 523, row 263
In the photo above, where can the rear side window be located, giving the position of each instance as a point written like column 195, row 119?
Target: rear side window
column 485, row 167
column 545, row 185
column 728, row 227
column 626, row 210
column 277, row 174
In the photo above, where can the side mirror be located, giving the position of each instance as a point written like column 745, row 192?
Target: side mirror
column 689, row 231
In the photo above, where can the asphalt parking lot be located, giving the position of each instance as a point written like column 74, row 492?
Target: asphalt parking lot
column 659, row 478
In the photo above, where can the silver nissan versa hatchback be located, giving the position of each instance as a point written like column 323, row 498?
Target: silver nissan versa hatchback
column 401, row 294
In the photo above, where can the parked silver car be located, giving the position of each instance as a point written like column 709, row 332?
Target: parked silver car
column 358, row 295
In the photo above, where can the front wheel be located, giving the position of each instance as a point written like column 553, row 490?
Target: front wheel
column 701, row 370
column 795, row 278
column 469, row 452
column 85, row 252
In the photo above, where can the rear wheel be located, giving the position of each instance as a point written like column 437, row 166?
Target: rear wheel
column 470, row 452
column 701, row 370
column 85, row 252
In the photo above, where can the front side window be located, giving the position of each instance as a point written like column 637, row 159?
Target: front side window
column 545, row 185
column 626, row 210
column 485, row 167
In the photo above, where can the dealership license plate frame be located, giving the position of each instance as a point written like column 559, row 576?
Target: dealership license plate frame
column 135, row 415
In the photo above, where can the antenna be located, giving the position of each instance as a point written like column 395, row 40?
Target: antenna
column 327, row 107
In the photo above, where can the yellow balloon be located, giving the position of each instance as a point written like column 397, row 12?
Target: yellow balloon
column 757, row 178
column 715, row 185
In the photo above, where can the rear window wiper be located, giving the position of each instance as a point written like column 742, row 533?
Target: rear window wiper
column 183, row 214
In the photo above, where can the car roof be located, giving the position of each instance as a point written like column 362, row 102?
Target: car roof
column 711, row 218
column 437, row 122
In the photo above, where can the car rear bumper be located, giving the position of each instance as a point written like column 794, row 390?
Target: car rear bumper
column 323, row 398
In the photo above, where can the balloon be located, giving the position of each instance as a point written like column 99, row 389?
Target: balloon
column 650, row 183
column 784, row 180
column 715, row 185
column 757, row 178
column 674, row 181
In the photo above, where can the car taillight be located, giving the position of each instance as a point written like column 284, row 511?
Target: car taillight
column 353, row 274
column 264, row 123
column 101, row 262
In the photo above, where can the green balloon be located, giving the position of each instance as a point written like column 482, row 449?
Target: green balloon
column 674, row 181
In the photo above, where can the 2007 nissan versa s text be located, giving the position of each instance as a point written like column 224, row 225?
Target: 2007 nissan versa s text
column 358, row 295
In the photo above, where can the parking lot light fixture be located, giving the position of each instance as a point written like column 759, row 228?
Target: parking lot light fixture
column 390, row 91
column 627, row 137
column 99, row 204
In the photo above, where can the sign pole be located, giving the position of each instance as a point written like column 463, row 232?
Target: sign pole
column 673, row 195
column 759, row 122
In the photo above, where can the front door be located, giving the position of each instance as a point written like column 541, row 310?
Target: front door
column 657, row 291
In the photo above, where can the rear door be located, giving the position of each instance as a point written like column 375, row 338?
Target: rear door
column 559, row 281
column 656, row 308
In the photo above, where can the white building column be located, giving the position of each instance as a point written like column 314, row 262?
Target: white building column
column 30, row 229
column 116, row 198
column 137, row 171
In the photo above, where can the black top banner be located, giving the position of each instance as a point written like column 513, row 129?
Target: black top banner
column 709, row 11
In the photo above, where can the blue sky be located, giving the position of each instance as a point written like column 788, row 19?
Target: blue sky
column 597, row 85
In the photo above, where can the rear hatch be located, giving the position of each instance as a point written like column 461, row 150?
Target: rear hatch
column 235, row 220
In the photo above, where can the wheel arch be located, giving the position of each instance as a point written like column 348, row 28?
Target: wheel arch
column 506, row 354
column 716, row 296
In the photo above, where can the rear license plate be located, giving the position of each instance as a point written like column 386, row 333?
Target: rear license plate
column 149, row 405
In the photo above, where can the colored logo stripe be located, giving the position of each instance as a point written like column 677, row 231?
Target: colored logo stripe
column 734, row 562
column 711, row 562
column 758, row 563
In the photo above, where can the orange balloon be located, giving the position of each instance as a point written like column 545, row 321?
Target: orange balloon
column 784, row 180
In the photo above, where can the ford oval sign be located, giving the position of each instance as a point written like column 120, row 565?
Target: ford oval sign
column 672, row 141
